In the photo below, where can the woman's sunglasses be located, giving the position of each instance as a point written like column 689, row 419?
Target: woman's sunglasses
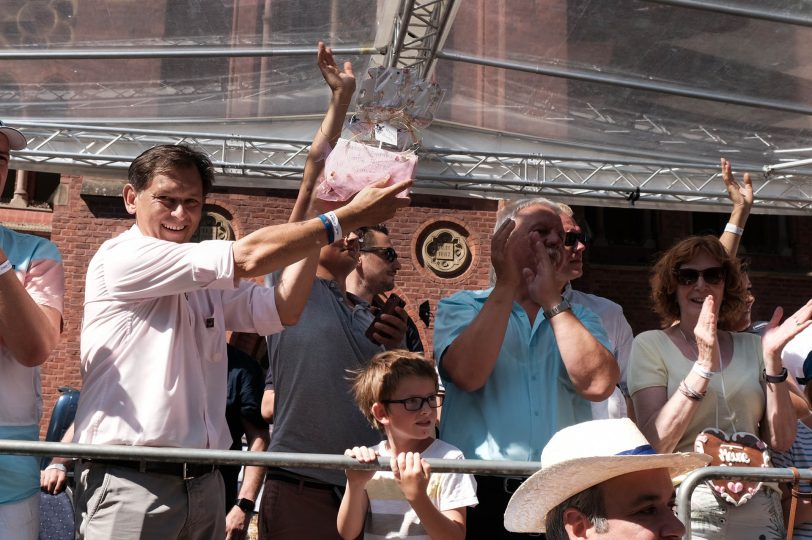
column 689, row 276
column 387, row 253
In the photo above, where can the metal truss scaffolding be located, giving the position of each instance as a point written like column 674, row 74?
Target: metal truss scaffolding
column 277, row 163
column 421, row 27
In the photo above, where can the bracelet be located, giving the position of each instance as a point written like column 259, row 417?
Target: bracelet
column 57, row 466
column 735, row 229
column 5, row 266
column 689, row 392
column 338, row 233
column 328, row 226
column 702, row 372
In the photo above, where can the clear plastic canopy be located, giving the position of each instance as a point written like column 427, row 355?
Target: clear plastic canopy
column 653, row 79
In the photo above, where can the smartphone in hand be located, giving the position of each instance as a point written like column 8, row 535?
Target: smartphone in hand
column 388, row 309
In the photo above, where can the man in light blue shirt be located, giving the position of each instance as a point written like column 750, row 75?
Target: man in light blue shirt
column 32, row 286
column 518, row 361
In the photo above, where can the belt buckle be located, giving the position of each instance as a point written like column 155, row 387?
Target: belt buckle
column 511, row 484
column 186, row 475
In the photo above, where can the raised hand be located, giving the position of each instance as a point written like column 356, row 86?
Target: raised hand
column 740, row 195
column 339, row 80
column 776, row 336
column 502, row 259
column 364, row 455
column 376, row 203
column 544, row 281
column 707, row 340
column 412, row 474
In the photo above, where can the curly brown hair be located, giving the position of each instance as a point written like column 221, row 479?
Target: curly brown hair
column 378, row 380
column 664, row 281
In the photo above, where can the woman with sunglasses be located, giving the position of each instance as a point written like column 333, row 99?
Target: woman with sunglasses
column 698, row 373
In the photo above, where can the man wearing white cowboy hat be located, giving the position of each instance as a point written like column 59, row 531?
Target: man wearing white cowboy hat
column 601, row 479
column 31, row 302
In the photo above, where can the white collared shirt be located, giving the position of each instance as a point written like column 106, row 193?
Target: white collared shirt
column 153, row 347
column 620, row 335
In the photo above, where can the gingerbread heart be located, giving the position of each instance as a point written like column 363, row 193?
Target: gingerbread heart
column 738, row 450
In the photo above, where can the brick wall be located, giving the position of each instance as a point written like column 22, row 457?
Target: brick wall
column 83, row 223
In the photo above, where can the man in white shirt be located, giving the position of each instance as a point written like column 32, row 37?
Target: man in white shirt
column 611, row 314
column 153, row 348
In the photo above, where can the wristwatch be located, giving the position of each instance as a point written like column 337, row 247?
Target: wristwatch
column 781, row 377
column 564, row 305
column 246, row 505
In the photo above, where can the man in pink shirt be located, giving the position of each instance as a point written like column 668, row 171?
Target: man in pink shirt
column 153, row 347
column 31, row 300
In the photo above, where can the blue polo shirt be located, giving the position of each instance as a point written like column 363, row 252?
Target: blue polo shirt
column 528, row 396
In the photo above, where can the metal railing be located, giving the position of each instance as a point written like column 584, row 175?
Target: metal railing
column 690, row 483
column 238, row 457
column 332, row 461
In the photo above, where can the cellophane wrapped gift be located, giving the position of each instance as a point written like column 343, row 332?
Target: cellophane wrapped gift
column 352, row 166
column 393, row 106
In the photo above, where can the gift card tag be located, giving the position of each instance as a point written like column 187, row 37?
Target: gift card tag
column 386, row 133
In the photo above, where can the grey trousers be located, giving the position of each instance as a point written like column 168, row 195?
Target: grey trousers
column 123, row 503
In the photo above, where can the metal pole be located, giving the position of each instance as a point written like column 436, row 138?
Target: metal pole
column 237, row 457
column 174, row 52
column 730, row 8
column 629, row 82
column 401, row 26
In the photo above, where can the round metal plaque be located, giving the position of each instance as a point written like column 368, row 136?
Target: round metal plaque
column 446, row 252
column 213, row 226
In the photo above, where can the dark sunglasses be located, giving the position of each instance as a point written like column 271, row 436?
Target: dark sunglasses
column 572, row 238
column 689, row 276
column 387, row 253
column 416, row 403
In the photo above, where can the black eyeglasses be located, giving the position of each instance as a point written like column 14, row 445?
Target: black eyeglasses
column 416, row 403
column 572, row 238
column 387, row 253
column 689, row 276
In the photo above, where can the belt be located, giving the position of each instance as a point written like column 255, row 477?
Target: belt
column 281, row 475
column 181, row 470
column 508, row 484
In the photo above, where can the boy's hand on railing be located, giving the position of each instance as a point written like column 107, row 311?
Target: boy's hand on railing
column 364, row 455
column 412, row 474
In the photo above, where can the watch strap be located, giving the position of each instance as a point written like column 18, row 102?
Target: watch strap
column 781, row 377
column 560, row 307
column 246, row 505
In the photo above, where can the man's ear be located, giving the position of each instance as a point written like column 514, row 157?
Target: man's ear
column 380, row 414
column 129, row 198
column 577, row 524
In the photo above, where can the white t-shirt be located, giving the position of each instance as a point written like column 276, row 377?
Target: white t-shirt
column 391, row 516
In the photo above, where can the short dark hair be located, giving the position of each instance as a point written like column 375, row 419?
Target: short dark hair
column 589, row 502
column 365, row 233
column 168, row 157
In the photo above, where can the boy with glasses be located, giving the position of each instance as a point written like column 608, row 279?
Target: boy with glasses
column 398, row 393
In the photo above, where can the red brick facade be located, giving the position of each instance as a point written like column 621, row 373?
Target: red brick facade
column 80, row 226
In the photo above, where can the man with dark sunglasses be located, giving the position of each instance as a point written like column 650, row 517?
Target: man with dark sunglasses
column 611, row 314
column 375, row 274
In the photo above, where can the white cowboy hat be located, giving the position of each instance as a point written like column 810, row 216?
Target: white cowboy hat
column 16, row 140
column 582, row 456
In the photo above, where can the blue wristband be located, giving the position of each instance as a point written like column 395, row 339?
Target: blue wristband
column 328, row 227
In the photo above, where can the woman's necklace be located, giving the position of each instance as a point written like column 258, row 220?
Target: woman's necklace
column 692, row 345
